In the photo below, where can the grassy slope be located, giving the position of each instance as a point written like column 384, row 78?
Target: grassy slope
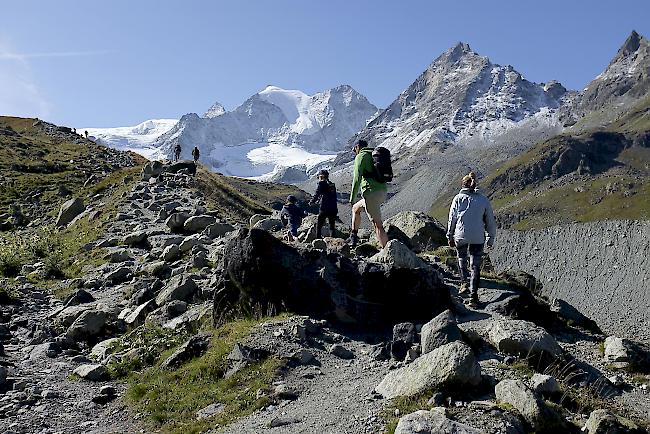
column 26, row 151
column 583, row 198
column 237, row 199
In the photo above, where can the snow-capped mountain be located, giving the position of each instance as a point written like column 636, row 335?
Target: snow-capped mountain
column 139, row 138
column 272, row 130
column 216, row 110
column 463, row 112
column 463, row 97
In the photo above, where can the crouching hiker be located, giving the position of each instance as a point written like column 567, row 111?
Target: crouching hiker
column 291, row 217
column 470, row 217
column 326, row 194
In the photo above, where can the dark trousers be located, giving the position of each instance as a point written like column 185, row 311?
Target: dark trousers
column 322, row 216
column 470, row 254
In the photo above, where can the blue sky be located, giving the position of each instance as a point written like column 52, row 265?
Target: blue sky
column 119, row 62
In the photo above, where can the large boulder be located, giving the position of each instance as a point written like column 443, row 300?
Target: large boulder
column 88, row 325
column 176, row 221
column 452, row 364
column 425, row 232
column 90, row 372
column 183, row 166
column 399, row 255
column 179, row 287
column 605, row 422
column 193, row 347
column 69, row 210
column 218, row 229
column 404, row 335
column 531, row 407
column 152, row 170
column 135, row 238
column 268, row 224
column 198, row 223
column 312, row 282
column 520, row 338
column 439, row 331
column 432, row 422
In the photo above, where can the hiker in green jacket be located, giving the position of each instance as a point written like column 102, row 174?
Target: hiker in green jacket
column 373, row 194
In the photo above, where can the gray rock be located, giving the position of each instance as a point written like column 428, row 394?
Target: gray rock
column 191, row 241
column 88, row 325
column 176, row 221
column 218, row 229
column 152, row 170
column 520, row 338
column 193, row 347
column 425, row 232
column 102, row 349
column 178, row 288
column 527, row 403
column 119, row 256
column 210, row 410
column 398, row 254
column 605, row 422
column 159, row 269
column 432, row 422
column 439, row 331
column 108, row 390
column 450, row 364
column 140, row 313
column 319, row 244
column 198, row 223
column 268, row 224
column 403, row 337
column 544, row 384
column 200, row 260
column 341, row 352
column 135, row 238
column 256, row 218
column 617, row 352
column 91, row 372
column 171, row 253
column 303, row 356
column 121, row 274
column 68, row 211
column 3, row 375
column 175, row 308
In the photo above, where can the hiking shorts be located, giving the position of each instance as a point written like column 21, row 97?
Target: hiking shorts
column 372, row 201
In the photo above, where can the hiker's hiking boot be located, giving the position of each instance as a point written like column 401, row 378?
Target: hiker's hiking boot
column 473, row 301
column 463, row 291
column 353, row 240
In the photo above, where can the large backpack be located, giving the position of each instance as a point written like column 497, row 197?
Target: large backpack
column 381, row 161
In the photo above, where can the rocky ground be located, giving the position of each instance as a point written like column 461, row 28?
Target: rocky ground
column 387, row 333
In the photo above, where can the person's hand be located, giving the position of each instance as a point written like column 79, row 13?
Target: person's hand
column 452, row 243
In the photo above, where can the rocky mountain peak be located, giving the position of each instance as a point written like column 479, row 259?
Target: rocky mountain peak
column 215, row 110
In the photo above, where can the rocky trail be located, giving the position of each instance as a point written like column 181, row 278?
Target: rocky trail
column 375, row 330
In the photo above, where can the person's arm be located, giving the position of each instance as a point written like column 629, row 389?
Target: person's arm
column 317, row 195
column 356, row 179
column 451, row 223
column 490, row 224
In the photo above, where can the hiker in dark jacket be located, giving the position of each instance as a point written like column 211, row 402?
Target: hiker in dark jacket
column 291, row 216
column 326, row 194
column 177, row 152
column 196, row 154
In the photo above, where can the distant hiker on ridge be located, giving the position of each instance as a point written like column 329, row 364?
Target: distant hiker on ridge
column 326, row 194
column 291, row 216
column 86, row 133
column 372, row 169
column 470, row 217
column 177, row 152
column 196, row 154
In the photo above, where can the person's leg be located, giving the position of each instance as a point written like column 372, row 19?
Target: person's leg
column 475, row 256
column 356, row 214
column 463, row 262
column 373, row 210
column 332, row 222
column 319, row 224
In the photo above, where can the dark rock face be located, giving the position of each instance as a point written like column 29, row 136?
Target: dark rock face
column 185, row 166
column 260, row 270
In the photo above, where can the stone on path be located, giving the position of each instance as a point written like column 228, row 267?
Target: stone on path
column 91, row 372
column 450, row 364
column 439, row 331
column 432, row 422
